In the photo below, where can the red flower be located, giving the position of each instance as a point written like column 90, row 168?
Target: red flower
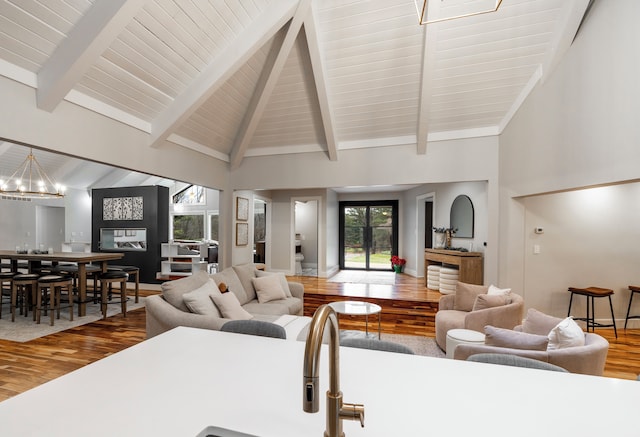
column 397, row 261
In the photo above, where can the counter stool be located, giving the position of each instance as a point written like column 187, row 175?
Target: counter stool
column 50, row 289
column 23, row 292
column 634, row 289
column 591, row 293
column 106, row 280
column 132, row 271
column 6, row 278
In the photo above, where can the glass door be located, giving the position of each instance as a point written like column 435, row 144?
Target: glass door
column 368, row 234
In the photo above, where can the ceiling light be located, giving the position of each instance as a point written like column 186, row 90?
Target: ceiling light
column 30, row 181
column 454, row 9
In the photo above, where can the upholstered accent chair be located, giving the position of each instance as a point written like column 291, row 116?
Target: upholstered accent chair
column 471, row 307
column 375, row 344
column 515, row 361
column 254, row 327
column 588, row 357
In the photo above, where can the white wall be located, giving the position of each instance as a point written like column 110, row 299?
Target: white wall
column 577, row 129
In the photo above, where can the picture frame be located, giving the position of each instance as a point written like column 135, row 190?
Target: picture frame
column 242, row 209
column 242, row 234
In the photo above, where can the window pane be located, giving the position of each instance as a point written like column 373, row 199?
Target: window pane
column 214, row 222
column 188, row 227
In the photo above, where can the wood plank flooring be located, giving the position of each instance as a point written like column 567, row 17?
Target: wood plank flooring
column 27, row 365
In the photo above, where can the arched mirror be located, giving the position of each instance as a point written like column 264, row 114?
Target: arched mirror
column 462, row 217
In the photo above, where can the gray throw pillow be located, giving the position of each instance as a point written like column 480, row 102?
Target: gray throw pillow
column 514, row 339
column 172, row 291
column 539, row 323
column 466, row 295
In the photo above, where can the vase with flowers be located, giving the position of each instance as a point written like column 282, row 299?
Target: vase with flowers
column 397, row 263
column 443, row 237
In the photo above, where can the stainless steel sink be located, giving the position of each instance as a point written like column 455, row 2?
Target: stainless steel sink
column 215, row 431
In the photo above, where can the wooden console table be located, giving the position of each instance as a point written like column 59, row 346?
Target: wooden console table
column 470, row 264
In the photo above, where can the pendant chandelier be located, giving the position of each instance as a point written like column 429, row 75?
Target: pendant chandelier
column 30, row 181
column 461, row 9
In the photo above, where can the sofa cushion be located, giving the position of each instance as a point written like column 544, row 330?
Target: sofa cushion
column 290, row 305
column 539, row 323
column 230, row 307
column 230, row 278
column 565, row 334
column 283, row 280
column 484, row 301
column 514, row 339
column 268, row 288
column 246, row 272
column 199, row 302
column 172, row 291
column 466, row 295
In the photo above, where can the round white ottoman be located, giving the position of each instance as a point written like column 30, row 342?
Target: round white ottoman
column 460, row 336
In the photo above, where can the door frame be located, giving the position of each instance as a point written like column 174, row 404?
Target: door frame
column 394, row 226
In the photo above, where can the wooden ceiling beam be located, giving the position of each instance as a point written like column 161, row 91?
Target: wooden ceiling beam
column 78, row 52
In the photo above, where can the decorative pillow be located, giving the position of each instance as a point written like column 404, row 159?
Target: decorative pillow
column 268, row 288
column 539, row 323
column 514, row 339
column 466, row 295
column 172, row 291
column 229, row 277
column 230, row 307
column 199, row 302
column 493, row 290
column 484, row 301
column 566, row 334
column 245, row 273
column 283, row 280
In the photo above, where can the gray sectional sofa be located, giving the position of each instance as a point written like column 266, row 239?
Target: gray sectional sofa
column 171, row 308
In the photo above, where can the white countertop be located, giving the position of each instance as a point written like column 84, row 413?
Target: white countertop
column 178, row 383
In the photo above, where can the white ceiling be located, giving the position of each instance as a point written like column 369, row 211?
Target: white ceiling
column 238, row 78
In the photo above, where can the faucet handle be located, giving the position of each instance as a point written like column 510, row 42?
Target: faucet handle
column 353, row 412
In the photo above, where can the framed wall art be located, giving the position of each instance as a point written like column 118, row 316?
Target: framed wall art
column 242, row 209
column 242, row 234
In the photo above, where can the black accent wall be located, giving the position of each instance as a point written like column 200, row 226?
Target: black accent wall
column 155, row 219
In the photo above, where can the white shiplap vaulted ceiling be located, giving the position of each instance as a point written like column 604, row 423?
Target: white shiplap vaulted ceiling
column 238, row 78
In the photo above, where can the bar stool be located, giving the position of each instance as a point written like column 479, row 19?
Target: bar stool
column 591, row 293
column 23, row 291
column 132, row 271
column 106, row 280
column 5, row 278
column 50, row 286
column 634, row 289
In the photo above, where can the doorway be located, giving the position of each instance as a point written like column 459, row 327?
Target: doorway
column 306, row 238
column 368, row 234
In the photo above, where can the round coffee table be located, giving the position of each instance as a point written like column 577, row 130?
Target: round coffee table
column 357, row 308
column 462, row 336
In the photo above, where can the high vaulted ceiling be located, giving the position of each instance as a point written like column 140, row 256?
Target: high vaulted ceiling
column 238, row 78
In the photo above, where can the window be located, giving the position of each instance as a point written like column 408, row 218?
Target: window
column 214, row 223
column 188, row 226
column 192, row 195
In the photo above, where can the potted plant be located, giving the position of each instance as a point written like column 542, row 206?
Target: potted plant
column 397, row 263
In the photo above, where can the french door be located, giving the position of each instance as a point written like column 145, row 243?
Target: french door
column 368, row 234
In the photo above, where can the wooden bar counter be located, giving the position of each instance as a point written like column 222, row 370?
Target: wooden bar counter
column 470, row 264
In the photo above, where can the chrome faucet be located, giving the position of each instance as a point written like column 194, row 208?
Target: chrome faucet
column 337, row 411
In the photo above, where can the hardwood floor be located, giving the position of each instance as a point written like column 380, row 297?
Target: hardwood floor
column 27, row 365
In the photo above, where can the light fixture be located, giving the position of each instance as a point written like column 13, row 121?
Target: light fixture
column 30, row 181
column 468, row 9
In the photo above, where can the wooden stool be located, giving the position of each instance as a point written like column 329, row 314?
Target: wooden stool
column 5, row 278
column 19, row 293
column 106, row 280
column 132, row 271
column 53, row 285
column 634, row 289
column 591, row 293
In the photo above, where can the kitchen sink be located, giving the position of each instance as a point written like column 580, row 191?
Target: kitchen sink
column 215, row 431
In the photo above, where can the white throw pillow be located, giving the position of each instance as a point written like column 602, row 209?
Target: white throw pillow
column 283, row 280
column 199, row 302
column 268, row 288
column 229, row 306
column 565, row 334
column 493, row 290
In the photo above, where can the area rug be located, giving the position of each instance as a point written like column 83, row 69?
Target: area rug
column 25, row 329
column 425, row 346
column 364, row 277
